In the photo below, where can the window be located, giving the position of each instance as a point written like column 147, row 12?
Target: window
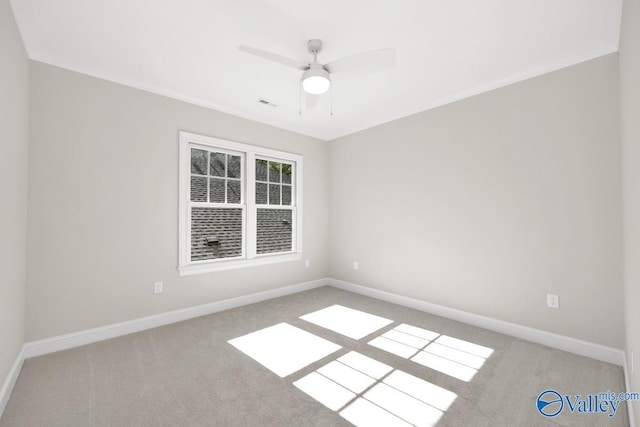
column 240, row 205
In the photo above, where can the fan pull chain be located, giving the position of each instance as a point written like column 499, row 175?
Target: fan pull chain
column 331, row 99
column 300, row 98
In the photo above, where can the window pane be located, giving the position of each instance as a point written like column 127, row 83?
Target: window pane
column 274, row 171
column 274, row 194
column 286, row 195
column 233, row 168
column 198, row 189
column 261, row 193
column 274, row 231
column 216, row 233
column 286, row 173
column 216, row 191
column 233, row 191
column 198, row 161
column 217, row 164
column 261, row 170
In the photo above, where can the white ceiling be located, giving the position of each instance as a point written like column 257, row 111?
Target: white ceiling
column 445, row 50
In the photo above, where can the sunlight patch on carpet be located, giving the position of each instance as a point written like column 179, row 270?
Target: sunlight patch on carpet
column 284, row 349
column 452, row 356
column 352, row 323
column 367, row 392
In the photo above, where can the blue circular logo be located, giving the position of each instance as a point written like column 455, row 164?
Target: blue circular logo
column 549, row 403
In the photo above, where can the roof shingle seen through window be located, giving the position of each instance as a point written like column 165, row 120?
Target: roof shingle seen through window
column 274, row 231
column 223, row 223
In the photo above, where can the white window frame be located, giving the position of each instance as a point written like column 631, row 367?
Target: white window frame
column 249, row 154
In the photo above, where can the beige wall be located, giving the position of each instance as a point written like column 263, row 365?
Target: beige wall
column 14, row 128
column 630, row 135
column 103, row 221
column 488, row 204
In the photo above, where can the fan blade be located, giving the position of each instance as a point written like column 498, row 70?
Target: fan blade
column 373, row 60
column 311, row 100
column 275, row 57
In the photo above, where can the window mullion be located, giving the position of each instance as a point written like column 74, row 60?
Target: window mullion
column 208, row 176
column 296, row 203
column 250, row 201
column 225, row 179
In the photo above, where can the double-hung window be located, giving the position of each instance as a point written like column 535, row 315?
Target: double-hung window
column 240, row 205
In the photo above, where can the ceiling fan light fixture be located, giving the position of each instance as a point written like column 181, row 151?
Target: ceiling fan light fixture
column 316, row 81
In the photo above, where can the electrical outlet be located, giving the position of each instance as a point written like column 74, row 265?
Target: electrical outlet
column 552, row 301
column 157, row 287
column 307, row 263
column 356, row 265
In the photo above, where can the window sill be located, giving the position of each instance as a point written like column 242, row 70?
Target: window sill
column 189, row 270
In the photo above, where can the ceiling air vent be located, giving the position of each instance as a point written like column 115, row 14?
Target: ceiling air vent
column 265, row 102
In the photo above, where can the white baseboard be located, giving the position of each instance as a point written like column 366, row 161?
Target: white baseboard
column 88, row 336
column 561, row 342
column 10, row 381
column 76, row 339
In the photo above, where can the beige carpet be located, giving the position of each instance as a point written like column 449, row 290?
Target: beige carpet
column 359, row 360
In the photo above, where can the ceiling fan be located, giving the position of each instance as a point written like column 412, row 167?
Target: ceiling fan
column 316, row 77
